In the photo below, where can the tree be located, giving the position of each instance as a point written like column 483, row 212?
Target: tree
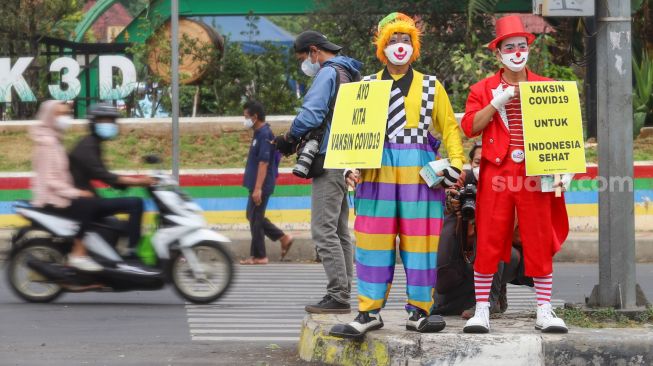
column 232, row 76
column 453, row 42
column 24, row 22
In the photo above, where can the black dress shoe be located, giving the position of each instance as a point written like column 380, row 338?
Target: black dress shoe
column 420, row 322
column 328, row 306
column 363, row 323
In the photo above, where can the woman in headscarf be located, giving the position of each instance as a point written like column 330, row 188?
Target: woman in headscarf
column 52, row 183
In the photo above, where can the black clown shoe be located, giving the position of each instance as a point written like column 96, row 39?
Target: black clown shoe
column 363, row 323
column 420, row 322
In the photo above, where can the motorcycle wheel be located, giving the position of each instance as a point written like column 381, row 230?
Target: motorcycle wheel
column 218, row 268
column 27, row 283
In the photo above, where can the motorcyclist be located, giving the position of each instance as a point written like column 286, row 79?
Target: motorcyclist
column 86, row 165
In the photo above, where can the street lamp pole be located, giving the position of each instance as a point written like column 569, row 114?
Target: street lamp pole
column 174, row 33
column 617, row 283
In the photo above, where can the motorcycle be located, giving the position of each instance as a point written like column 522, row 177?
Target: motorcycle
column 182, row 252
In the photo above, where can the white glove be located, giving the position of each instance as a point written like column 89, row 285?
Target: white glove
column 500, row 100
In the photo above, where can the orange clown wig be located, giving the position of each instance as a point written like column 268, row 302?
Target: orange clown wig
column 396, row 23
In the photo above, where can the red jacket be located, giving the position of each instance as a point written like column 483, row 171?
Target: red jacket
column 496, row 142
column 496, row 137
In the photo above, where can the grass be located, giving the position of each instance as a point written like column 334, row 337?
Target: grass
column 604, row 318
column 198, row 151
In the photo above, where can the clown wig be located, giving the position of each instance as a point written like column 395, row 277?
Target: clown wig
column 396, row 23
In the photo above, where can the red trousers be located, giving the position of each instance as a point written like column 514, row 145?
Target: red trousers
column 543, row 222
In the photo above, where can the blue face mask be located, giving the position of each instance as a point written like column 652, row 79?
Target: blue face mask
column 106, row 131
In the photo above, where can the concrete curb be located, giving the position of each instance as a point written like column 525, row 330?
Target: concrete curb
column 579, row 247
column 513, row 341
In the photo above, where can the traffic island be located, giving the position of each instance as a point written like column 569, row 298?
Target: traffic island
column 512, row 341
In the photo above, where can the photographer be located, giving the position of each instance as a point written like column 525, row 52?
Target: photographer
column 329, row 207
column 455, row 276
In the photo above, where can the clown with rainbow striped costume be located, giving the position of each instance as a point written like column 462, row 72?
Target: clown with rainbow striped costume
column 394, row 200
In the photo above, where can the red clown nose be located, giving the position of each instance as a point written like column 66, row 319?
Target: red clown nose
column 518, row 54
column 401, row 49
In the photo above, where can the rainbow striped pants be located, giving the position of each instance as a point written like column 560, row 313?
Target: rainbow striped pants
column 394, row 201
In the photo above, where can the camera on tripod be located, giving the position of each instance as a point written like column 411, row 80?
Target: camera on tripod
column 467, row 197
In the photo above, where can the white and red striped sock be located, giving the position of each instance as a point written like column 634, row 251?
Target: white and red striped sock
column 482, row 286
column 543, row 288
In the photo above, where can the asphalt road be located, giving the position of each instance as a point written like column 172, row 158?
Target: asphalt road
column 257, row 323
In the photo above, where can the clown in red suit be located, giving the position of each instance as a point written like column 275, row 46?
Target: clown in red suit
column 493, row 109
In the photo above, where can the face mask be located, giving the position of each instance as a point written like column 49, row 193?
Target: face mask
column 106, row 131
column 476, row 171
column 515, row 61
column 309, row 68
column 248, row 123
column 399, row 53
column 62, row 123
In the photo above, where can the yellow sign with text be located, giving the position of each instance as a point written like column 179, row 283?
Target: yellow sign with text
column 358, row 125
column 553, row 127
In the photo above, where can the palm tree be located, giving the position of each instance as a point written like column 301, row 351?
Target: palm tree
column 478, row 7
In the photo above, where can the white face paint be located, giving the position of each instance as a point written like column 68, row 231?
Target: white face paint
column 399, row 53
column 514, row 53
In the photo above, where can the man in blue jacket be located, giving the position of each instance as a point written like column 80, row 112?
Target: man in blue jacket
column 329, row 205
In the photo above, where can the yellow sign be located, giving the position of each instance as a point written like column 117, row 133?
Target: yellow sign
column 358, row 127
column 553, row 128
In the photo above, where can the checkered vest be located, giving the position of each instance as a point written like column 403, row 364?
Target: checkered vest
column 419, row 134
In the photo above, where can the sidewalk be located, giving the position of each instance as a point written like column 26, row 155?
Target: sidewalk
column 512, row 341
column 579, row 247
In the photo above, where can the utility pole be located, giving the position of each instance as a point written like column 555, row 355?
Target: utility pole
column 617, row 287
column 174, row 34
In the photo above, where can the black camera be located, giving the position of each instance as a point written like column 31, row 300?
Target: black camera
column 467, row 197
column 305, row 158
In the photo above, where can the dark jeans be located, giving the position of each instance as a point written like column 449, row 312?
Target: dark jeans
column 89, row 210
column 260, row 226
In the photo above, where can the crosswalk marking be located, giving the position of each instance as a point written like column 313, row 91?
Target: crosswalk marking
column 266, row 303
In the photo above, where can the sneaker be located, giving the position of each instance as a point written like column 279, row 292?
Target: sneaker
column 328, row 305
column 420, row 322
column 480, row 322
column 363, row 323
column 548, row 322
column 84, row 263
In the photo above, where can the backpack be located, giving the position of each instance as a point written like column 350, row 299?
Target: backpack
column 343, row 76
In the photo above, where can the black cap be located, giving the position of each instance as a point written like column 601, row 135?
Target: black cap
column 312, row 38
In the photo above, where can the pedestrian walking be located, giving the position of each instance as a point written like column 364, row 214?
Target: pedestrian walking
column 260, row 178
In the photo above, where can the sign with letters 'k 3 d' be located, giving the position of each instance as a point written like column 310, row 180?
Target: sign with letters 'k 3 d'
column 358, row 125
column 11, row 78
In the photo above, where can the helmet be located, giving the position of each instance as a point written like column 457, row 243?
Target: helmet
column 103, row 110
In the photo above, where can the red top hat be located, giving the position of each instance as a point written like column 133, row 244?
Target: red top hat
column 510, row 26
